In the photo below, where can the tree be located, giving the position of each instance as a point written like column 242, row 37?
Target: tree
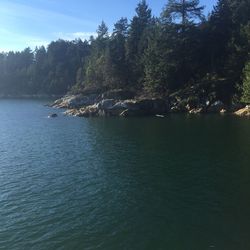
column 185, row 11
column 227, row 43
column 117, row 67
column 137, row 41
column 102, row 30
column 246, row 84
column 180, row 42
column 160, row 55
column 121, row 27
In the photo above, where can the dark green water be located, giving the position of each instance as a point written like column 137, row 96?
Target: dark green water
column 179, row 183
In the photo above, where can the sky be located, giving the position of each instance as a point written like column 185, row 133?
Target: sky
column 30, row 23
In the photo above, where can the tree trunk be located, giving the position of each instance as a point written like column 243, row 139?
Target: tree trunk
column 183, row 12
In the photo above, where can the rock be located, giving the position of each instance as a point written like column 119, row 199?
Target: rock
column 78, row 106
column 216, row 107
column 127, row 104
column 178, row 108
column 196, row 111
column 72, row 112
column 131, row 106
column 53, row 116
column 188, row 107
column 243, row 112
column 75, row 101
column 89, row 111
column 107, row 104
column 235, row 107
column 80, row 101
column 124, row 113
column 139, row 107
column 160, row 116
column 223, row 111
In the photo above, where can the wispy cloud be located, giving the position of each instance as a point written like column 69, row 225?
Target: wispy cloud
column 17, row 10
column 27, row 25
column 74, row 35
column 19, row 40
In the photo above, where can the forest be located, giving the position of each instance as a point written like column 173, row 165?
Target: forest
column 152, row 56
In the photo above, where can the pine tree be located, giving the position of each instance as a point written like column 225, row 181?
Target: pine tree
column 117, row 69
column 137, row 41
column 102, row 30
column 183, row 11
column 159, row 60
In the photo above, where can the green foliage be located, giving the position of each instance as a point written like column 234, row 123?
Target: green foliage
column 102, row 30
column 246, row 84
column 137, row 42
column 44, row 71
column 183, row 11
column 159, row 55
column 159, row 61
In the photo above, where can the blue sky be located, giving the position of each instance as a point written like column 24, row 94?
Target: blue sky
column 33, row 23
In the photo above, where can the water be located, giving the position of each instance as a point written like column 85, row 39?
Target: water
column 179, row 183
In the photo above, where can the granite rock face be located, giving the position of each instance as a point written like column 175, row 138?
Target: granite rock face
column 75, row 101
column 121, row 108
column 244, row 111
column 83, row 106
column 125, row 104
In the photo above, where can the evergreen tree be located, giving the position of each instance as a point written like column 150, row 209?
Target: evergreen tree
column 183, row 47
column 121, row 27
column 102, row 30
column 183, row 11
column 137, row 41
column 158, row 55
column 95, row 67
column 117, row 67
column 246, row 84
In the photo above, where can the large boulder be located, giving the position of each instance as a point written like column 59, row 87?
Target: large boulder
column 243, row 112
column 89, row 111
column 107, row 104
column 120, row 106
column 80, row 100
column 236, row 106
column 72, row 112
column 53, row 115
column 75, row 101
column 139, row 107
column 196, row 111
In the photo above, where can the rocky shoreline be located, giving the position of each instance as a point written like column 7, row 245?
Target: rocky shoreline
column 126, row 104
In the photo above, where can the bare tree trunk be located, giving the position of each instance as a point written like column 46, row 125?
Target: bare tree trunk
column 183, row 12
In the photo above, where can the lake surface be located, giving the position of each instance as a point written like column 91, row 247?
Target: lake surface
column 178, row 183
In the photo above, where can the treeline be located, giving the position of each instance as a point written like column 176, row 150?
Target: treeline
column 149, row 55
column 43, row 71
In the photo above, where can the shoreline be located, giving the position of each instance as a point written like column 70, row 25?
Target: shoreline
column 117, row 103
